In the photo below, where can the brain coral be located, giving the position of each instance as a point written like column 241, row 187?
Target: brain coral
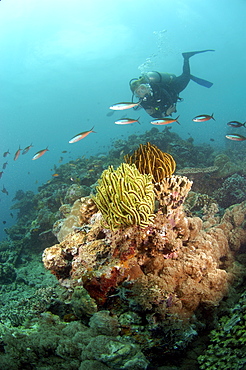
column 150, row 159
column 125, row 197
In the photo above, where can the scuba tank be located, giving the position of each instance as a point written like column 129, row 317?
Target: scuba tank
column 160, row 78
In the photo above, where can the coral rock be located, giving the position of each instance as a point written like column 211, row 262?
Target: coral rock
column 115, row 353
column 102, row 323
column 82, row 303
column 55, row 261
column 71, row 221
column 171, row 192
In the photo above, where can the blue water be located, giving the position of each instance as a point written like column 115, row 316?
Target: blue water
column 63, row 63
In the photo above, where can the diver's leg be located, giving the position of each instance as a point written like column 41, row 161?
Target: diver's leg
column 198, row 80
column 186, row 67
column 180, row 82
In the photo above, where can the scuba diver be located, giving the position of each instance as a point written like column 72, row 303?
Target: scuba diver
column 158, row 92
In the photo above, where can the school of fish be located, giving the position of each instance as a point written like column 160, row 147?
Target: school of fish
column 121, row 121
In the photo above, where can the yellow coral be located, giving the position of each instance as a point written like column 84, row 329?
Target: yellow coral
column 150, row 159
column 125, row 197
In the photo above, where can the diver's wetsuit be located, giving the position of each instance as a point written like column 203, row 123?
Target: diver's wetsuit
column 166, row 88
column 166, row 92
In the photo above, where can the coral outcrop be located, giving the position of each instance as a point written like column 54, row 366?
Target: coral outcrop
column 166, row 270
column 171, row 192
column 73, row 216
column 233, row 224
column 128, row 295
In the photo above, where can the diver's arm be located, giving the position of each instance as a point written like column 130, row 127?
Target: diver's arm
column 171, row 110
column 156, row 113
column 166, row 98
column 167, row 104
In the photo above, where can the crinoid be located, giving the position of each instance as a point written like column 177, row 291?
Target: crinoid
column 125, row 197
column 149, row 159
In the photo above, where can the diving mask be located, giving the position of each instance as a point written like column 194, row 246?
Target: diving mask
column 143, row 90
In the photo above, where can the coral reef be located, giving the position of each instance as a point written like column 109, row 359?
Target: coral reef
column 54, row 344
column 196, row 201
column 73, row 216
column 186, row 154
column 130, row 295
column 233, row 224
column 202, row 177
column 166, row 270
column 149, row 159
column 62, row 227
column 204, row 206
column 125, row 197
column 227, row 341
column 38, row 212
column 189, row 171
column 227, row 166
column 232, row 191
column 75, row 192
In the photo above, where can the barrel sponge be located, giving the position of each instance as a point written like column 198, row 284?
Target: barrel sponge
column 125, row 197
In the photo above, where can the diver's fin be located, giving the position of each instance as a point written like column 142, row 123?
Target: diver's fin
column 191, row 53
column 200, row 81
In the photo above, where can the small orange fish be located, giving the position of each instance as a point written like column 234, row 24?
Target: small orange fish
column 164, row 121
column 123, row 105
column 236, row 124
column 235, row 137
column 126, row 121
column 27, row 149
column 80, row 136
column 55, row 174
column 203, row 118
column 39, row 154
column 17, row 153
